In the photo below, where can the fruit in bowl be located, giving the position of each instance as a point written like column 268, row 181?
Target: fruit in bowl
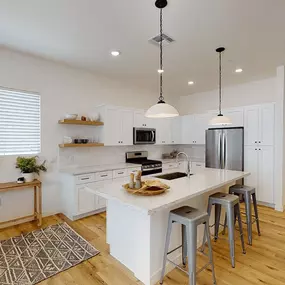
column 70, row 116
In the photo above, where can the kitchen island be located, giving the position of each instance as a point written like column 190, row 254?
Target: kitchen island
column 136, row 225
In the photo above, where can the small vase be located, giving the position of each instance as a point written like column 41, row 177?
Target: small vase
column 29, row 177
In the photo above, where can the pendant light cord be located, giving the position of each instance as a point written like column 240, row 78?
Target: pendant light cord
column 220, row 83
column 161, row 98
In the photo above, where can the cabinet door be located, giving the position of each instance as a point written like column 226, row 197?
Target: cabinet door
column 127, row 122
column 251, row 165
column 163, row 133
column 86, row 200
column 175, row 130
column 187, row 136
column 251, row 125
column 265, row 191
column 112, row 127
column 236, row 116
column 140, row 119
column 200, row 125
column 266, row 125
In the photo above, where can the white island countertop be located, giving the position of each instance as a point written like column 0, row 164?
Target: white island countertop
column 181, row 189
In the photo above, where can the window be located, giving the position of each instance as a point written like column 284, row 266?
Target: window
column 20, row 122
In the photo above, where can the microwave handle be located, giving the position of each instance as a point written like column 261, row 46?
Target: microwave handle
column 153, row 136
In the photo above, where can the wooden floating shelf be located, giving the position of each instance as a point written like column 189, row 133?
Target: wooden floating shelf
column 79, row 122
column 64, row 145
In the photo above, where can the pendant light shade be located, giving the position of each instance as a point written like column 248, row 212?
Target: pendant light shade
column 161, row 109
column 220, row 120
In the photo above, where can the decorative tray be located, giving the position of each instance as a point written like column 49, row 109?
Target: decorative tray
column 149, row 188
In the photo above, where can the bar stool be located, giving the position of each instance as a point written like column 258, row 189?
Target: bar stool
column 189, row 218
column 232, row 207
column 247, row 192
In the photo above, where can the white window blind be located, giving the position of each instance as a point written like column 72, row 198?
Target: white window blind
column 20, row 122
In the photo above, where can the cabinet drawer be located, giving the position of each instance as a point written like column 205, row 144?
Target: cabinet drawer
column 84, row 178
column 103, row 175
column 120, row 173
column 134, row 170
column 170, row 165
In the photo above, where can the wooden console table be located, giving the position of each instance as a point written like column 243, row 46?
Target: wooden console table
column 37, row 185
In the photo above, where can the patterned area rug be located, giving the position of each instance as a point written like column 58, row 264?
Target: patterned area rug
column 31, row 258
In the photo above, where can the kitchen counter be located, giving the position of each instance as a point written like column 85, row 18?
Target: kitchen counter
column 137, row 225
column 77, row 170
column 181, row 189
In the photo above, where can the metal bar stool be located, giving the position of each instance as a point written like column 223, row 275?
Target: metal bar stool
column 189, row 218
column 247, row 192
column 232, row 207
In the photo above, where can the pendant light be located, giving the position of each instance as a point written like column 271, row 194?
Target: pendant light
column 220, row 120
column 161, row 109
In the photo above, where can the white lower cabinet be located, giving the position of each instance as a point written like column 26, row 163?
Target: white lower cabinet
column 259, row 161
column 86, row 200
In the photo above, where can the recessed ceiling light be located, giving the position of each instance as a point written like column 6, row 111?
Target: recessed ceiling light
column 238, row 70
column 190, row 82
column 115, row 53
column 160, row 70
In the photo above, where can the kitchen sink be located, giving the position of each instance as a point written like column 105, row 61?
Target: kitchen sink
column 172, row 176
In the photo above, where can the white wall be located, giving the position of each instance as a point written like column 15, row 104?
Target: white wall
column 63, row 89
column 251, row 93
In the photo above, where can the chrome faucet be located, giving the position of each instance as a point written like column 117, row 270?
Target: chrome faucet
column 188, row 171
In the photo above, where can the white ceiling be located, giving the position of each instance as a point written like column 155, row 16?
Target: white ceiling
column 82, row 33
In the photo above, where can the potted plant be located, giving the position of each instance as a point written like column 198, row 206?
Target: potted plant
column 29, row 166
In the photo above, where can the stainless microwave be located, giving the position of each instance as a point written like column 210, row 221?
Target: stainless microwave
column 144, row 136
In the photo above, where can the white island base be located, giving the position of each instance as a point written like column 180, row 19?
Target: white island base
column 136, row 226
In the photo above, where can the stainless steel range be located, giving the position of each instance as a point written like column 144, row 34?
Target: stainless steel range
column 148, row 166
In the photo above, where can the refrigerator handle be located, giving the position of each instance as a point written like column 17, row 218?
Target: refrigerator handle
column 221, row 152
column 225, row 149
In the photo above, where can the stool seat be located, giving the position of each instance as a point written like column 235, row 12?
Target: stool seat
column 223, row 199
column 241, row 189
column 187, row 214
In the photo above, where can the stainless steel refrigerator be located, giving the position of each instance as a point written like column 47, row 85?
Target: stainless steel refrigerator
column 225, row 148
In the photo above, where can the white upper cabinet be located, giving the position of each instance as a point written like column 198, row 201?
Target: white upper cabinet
column 266, row 124
column 126, row 127
column 187, row 129
column 259, row 125
column 194, row 127
column 163, row 131
column 118, row 125
column 235, row 115
column 140, row 121
column 175, row 128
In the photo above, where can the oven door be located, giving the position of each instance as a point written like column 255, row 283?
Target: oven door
column 144, row 136
column 151, row 171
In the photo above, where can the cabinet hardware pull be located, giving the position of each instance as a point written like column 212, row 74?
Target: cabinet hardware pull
column 260, row 149
column 259, row 141
column 105, row 175
column 255, row 142
column 120, row 172
column 84, row 178
column 256, row 149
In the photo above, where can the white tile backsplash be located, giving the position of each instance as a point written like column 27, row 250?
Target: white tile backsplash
column 116, row 154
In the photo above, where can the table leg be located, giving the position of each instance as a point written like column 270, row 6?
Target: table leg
column 40, row 206
column 35, row 203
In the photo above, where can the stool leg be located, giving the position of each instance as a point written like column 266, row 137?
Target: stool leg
column 231, row 227
column 192, row 247
column 167, row 242
column 256, row 213
column 237, row 212
column 247, row 198
column 225, row 225
column 209, row 210
column 184, row 245
column 217, row 220
column 207, row 230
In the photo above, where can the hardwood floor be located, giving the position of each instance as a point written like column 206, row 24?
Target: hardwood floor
column 264, row 262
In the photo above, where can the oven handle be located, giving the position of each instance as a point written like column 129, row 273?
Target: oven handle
column 153, row 136
column 150, row 169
